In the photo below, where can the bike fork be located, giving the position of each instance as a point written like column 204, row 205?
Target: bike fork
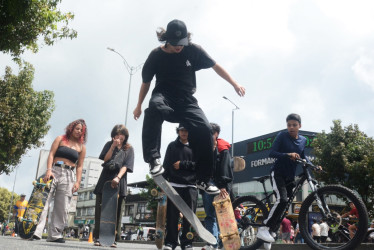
column 321, row 203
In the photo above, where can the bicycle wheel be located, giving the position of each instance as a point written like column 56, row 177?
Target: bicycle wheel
column 334, row 199
column 253, row 213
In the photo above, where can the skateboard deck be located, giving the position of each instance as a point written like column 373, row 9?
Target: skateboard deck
column 239, row 163
column 108, row 216
column 227, row 224
column 161, row 217
column 28, row 223
column 184, row 209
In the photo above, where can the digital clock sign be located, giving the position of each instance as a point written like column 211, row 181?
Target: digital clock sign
column 256, row 154
column 265, row 143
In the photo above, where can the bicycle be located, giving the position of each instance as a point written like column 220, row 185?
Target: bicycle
column 326, row 202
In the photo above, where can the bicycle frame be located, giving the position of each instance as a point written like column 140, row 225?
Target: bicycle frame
column 304, row 176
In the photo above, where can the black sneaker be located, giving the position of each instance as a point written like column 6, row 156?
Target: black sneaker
column 155, row 167
column 207, row 187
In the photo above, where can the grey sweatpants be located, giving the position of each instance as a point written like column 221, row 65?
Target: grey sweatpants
column 61, row 191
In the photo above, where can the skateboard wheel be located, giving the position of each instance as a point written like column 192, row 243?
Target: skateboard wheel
column 20, row 219
column 221, row 236
column 34, row 183
column 189, row 235
column 154, row 192
column 48, row 185
column 35, row 222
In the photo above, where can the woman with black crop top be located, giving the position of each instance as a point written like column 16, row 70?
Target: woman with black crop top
column 67, row 153
column 118, row 157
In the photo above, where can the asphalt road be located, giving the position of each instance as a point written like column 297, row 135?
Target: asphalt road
column 7, row 242
column 16, row 243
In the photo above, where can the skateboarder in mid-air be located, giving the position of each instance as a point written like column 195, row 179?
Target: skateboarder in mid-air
column 174, row 64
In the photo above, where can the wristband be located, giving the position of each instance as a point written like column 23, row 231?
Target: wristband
column 49, row 168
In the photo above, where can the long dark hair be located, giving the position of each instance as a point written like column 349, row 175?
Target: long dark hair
column 120, row 129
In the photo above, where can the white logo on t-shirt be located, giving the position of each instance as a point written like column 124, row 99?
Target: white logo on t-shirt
column 188, row 64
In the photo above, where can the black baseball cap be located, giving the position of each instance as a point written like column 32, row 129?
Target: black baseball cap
column 181, row 127
column 23, row 195
column 176, row 33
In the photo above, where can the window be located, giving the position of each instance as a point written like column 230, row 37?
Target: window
column 143, row 212
column 129, row 210
column 92, row 196
column 90, row 211
column 79, row 211
column 81, row 197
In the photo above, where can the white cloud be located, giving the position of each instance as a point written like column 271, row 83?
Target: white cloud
column 356, row 17
column 364, row 68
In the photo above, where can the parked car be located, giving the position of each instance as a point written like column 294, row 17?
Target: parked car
column 149, row 232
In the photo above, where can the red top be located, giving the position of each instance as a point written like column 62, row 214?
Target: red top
column 286, row 225
column 222, row 145
column 354, row 212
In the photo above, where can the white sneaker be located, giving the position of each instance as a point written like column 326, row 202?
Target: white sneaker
column 267, row 246
column 207, row 187
column 263, row 234
column 208, row 247
column 168, row 247
column 155, row 167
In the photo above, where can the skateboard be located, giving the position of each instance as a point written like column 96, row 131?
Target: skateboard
column 184, row 209
column 108, row 218
column 227, row 224
column 28, row 223
column 239, row 163
column 161, row 217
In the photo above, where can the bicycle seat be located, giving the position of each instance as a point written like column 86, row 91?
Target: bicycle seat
column 261, row 178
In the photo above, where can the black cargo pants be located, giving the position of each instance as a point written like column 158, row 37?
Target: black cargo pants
column 185, row 110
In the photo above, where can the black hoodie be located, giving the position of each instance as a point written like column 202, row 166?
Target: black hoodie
column 186, row 174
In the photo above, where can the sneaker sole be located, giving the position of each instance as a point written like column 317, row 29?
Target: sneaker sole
column 158, row 173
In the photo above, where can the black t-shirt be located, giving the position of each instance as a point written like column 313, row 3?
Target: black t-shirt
column 122, row 159
column 175, row 72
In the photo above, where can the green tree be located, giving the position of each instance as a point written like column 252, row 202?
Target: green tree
column 146, row 194
column 347, row 155
column 23, row 22
column 24, row 115
column 5, row 198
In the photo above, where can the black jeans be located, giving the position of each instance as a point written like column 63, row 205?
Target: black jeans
column 16, row 225
column 189, row 195
column 99, row 198
column 283, row 189
column 162, row 108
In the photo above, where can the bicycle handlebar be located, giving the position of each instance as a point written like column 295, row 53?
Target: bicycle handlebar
column 310, row 165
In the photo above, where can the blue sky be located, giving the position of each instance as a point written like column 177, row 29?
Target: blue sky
column 315, row 58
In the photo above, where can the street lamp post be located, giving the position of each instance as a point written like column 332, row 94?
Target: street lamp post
column 11, row 200
column 132, row 70
column 232, row 125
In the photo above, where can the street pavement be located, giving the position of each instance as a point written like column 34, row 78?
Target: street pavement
column 7, row 242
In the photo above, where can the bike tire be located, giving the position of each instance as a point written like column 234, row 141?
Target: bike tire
column 257, row 211
column 344, row 194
